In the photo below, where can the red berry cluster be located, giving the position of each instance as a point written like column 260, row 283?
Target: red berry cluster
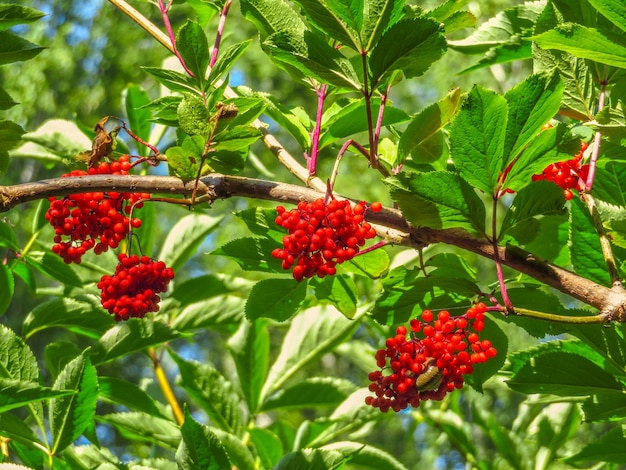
column 569, row 174
column 132, row 290
column 322, row 235
column 97, row 220
column 429, row 367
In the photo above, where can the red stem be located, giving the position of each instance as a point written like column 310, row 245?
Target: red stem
column 315, row 135
column 597, row 138
column 496, row 257
column 220, row 32
column 170, row 32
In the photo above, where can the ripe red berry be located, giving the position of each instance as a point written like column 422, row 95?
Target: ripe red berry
column 321, row 235
column 415, row 369
column 132, row 290
column 569, row 174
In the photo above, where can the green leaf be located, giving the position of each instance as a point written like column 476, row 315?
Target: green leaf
column 271, row 16
column 16, row 429
column 278, row 299
column 340, row 291
column 70, row 416
column 411, row 45
column 338, row 20
column 77, row 315
column 142, row 427
column 52, row 265
column 539, row 198
column 185, row 237
column 477, row 138
column 200, row 448
column 237, row 138
column 184, row 160
column 174, row 81
column 193, row 47
column 17, row 393
column 8, row 239
column 605, row 406
column 372, row 264
column 227, row 59
column 313, row 57
column 268, row 446
column 17, row 361
column 212, row 392
column 311, row 459
column 613, row 10
column 425, row 125
column 500, row 341
column 312, row 333
column 600, row 46
column 532, row 103
column 131, row 336
column 7, row 286
column 611, row 447
column 590, row 262
column 366, row 456
column 438, row 200
column 58, row 354
column 502, row 54
column 122, row 392
column 311, row 393
column 6, row 102
column 193, row 116
column 10, row 133
column 12, row 15
column 204, row 287
column 15, row 49
column 562, row 374
column 378, row 16
column 251, row 254
column 212, row 313
column 136, row 98
column 250, row 347
column 609, row 184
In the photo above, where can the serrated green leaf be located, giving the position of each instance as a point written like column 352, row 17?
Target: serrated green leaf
column 378, row 16
column 251, row 254
column 135, row 100
column 8, row 239
column 372, row 264
column 411, row 45
column 70, row 416
column 605, row 406
column 200, row 448
column 500, row 342
column 311, row 459
column 610, row 183
column 613, row 10
column 17, row 361
column 7, row 286
column 438, row 200
column 207, row 286
column 78, row 315
column 142, row 427
column 237, row 138
column 313, row 57
column 604, row 47
column 338, row 20
column 268, row 446
column 12, row 15
column 559, row 373
column 15, row 49
column 590, row 262
column 311, row 393
column 175, row 81
column 6, row 102
column 502, row 54
column 532, row 103
column 193, row 116
column 226, row 60
column 58, row 354
column 366, row 456
column 540, row 198
column 122, row 392
column 53, row 266
column 426, row 124
column 16, row 429
column 184, row 160
column 16, row 393
column 131, row 336
column 278, row 299
column 250, row 347
column 10, row 132
column 477, row 137
column 340, row 291
column 212, row 392
column 610, row 447
column 311, row 334
column 271, row 16
column 193, row 47
column 184, row 238
column 164, row 110
column 212, row 313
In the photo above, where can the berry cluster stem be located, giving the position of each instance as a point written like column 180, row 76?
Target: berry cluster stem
column 166, row 388
column 315, row 135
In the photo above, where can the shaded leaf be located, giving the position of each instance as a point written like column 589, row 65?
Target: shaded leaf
column 200, row 448
column 278, row 299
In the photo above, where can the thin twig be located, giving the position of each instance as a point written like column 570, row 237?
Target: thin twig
column 166, row 388
column 170, row 32
column 315, row 134
column 220, row 32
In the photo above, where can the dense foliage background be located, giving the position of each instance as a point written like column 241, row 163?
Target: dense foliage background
column 245, row 367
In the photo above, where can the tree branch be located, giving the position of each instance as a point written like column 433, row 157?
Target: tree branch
column 389, row 223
